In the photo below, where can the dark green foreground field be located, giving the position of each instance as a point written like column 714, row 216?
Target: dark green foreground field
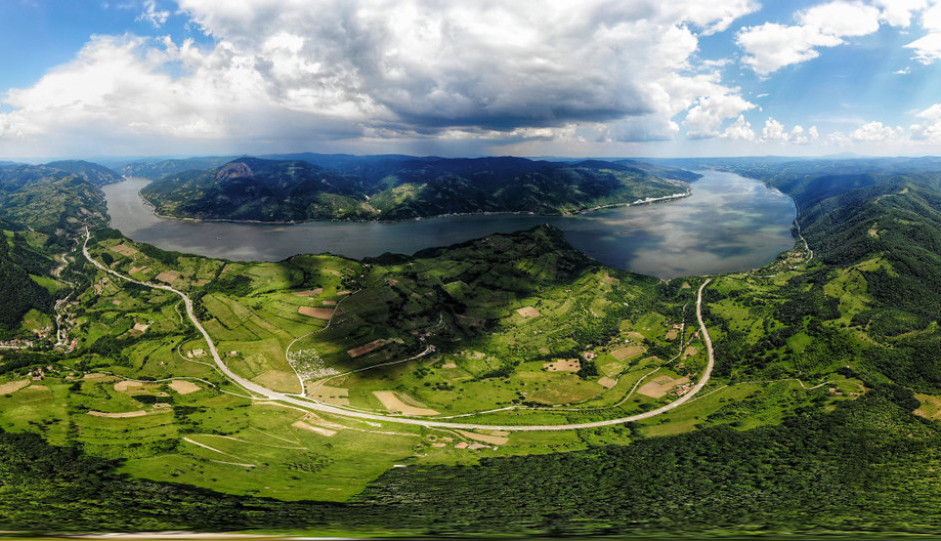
column 822, row 414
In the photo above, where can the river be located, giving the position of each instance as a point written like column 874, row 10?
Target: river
column 729, row 223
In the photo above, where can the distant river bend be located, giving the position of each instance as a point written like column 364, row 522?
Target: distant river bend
column 730, row 223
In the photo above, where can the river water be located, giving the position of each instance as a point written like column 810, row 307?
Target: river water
column 730, row 223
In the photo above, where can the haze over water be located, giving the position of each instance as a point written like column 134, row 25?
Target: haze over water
column 729, row 224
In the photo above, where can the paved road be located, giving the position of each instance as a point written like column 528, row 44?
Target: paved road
column 334, row 410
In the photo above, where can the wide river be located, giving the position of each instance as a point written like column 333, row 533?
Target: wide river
column 730, row 223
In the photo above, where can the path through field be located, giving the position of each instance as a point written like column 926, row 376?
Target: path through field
column 269, row 394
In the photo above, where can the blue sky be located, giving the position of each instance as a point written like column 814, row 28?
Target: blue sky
column 470, row 77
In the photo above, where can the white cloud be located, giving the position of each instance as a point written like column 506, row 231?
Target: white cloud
column 309, row 69
column 928, row 47
column 713, row 17
column 156, row 17
column 772, row 46
column 841, row 19
column 776, row 132
column 740, row 130
column 800, row 136
column 838, row 139
column 705, row 118
column 875, row 131
column 639, row 129
column 899, row 12
column 930, row 129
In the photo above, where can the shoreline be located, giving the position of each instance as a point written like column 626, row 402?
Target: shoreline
column 636, row 203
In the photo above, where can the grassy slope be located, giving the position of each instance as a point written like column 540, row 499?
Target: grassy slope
column 767, row 454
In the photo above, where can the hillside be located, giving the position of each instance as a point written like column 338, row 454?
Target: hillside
column 157, row 169
column 43, row 210
column 397, row 188
column 821, row 414
column 94, row 173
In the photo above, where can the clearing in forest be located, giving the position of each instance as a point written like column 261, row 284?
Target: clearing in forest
column 930, row 407
column 527, row 312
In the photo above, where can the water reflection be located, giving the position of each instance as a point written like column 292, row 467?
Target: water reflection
column 730, row 223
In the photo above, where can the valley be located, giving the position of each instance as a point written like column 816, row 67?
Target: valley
column 320, row 377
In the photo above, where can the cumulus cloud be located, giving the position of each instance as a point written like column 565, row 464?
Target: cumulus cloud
column 899, row 12
column 873, row 132
column 423, row 68
column 800, row 136
column 740, row 130
column 118, row 87
column 772, row 46
column 775, row 132
column 705, row 118
column 930, row 129
column 928, row 47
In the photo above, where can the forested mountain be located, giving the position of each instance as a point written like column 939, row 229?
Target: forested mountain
column 94, row 173
column 399, row 187
column 156, row 169
column 51, row 199
column 43, row 209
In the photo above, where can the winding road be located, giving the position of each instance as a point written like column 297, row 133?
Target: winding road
column 276, row 396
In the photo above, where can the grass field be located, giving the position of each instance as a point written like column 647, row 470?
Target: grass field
column 503, row 330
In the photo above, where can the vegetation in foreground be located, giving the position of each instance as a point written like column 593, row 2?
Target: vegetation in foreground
column 862, row 467
column 806, row 426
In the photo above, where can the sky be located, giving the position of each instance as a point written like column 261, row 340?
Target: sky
column 603, row 78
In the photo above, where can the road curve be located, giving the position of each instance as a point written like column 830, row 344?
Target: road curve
column 334, row 410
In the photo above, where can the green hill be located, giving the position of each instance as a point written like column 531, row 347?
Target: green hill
column 821, row 416
column 397, row 188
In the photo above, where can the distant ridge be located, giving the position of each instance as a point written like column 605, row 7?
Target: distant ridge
column 307, row 186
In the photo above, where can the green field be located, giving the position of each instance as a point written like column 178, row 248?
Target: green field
column 816, row 361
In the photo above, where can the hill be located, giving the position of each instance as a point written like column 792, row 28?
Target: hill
column 821, row 416
column 398, row 187
column 94, row 173
column 43, row 209
column 156, row 169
